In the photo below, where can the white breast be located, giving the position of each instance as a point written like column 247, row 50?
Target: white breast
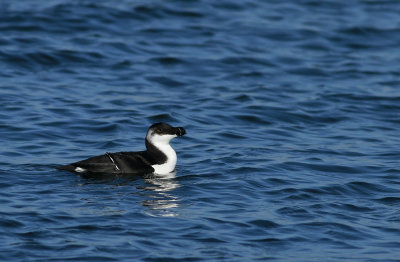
column 162, row 143
column 168, row 166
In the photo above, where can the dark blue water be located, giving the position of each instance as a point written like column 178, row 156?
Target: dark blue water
column 292, row 110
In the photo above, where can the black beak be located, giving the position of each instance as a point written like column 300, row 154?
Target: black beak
column 180, row 131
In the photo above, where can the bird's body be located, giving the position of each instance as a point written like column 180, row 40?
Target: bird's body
column 159, row 157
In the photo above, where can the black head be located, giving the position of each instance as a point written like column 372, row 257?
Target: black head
column 164, row 130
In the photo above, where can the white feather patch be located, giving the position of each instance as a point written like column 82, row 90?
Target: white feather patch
column 162, row 143
column 80, row 169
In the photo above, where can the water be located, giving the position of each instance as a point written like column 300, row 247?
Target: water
column 292, row 110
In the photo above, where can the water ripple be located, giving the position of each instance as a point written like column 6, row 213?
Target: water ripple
column 292, row 113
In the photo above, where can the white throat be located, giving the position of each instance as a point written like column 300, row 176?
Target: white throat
column 162, row 144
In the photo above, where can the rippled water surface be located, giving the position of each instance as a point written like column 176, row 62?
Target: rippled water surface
column 292, row 110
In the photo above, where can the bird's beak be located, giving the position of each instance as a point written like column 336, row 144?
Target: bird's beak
column 180, row 131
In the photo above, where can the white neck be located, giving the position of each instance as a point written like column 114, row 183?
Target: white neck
column 162, row 144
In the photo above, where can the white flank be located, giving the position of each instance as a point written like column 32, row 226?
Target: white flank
column 80, row 169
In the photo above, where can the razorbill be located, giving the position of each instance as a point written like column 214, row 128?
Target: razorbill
column 159, row 157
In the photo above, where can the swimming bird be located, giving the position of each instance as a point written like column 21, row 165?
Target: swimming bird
column 159, row 157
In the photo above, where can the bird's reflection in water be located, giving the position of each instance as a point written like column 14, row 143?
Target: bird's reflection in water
column 159, row 193
column 156, row 194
